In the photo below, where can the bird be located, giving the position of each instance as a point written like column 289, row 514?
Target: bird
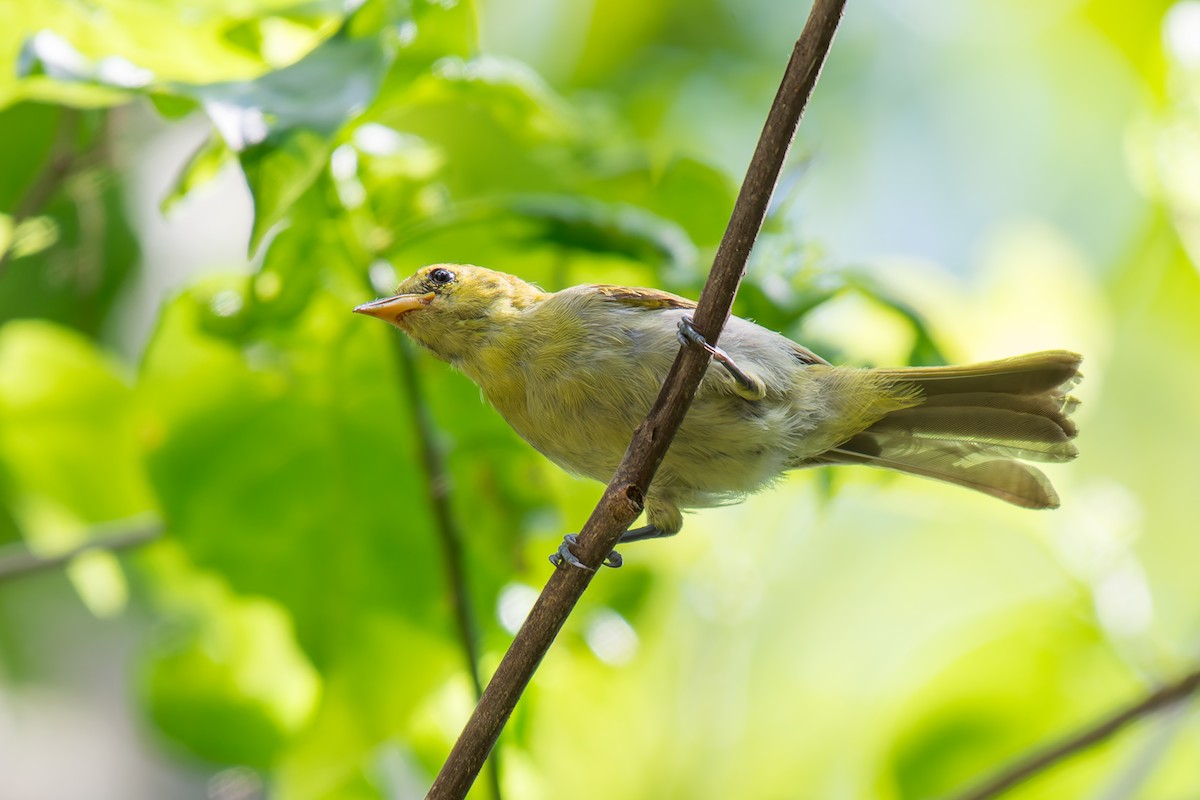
column 574, row 372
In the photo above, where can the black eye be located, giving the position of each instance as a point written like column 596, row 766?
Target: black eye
column 441, row 275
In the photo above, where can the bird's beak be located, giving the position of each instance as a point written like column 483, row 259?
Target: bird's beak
column 390, row 309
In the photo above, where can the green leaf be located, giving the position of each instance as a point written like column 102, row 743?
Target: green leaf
column 318, row 93
column 232, row 686
column 66, row 418
column 498, row 126
column 125, row 48
column 279, row 173
column 281, row 124
column 68, row 450
column 570, row 223
column 989, row 705
column 81, row 255
column 606, row 228
column 202, row 167
column 276, row 473
column 29, row 130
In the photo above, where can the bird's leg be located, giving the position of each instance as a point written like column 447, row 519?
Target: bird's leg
column 643, row 533
column 748, row 386
column 564, row 555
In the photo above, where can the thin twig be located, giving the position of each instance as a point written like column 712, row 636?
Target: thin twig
column 1042, row 760
column 59, row 163
column 624, row 497
column 1140, row 768
column 437, row 479
column 17, row 562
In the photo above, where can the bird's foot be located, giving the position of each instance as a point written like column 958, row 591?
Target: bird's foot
column 751, row 387
column 564, row 555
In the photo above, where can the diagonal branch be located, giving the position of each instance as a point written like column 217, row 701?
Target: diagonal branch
column 1042, row 760
column 623, row 499
column 17, row 562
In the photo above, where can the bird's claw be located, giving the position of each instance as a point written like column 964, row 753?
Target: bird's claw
column 687, row 334
column 564, row 555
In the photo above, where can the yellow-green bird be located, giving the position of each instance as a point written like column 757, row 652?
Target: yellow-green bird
column 575, row 371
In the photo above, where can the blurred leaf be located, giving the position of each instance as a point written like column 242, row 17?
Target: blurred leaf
column 269, row 425
column 293, row 489
column 232, row 686
column 99, row 58
column 1136, row 30
column 172, row 106
column 603, row 228
column 29, row 130
column 996, row 700
column 280, row 125
column 66, row 417
column 499, row 128
column 690, row 193
column 74, row 276
column 572, row 223
column 697, row 196
column 202, row 167
column 925, row 351
column 279, row 173
column 318, row 93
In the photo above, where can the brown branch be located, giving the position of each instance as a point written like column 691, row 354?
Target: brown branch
column 17, row 561
column 623, row 498
column 1046, row 758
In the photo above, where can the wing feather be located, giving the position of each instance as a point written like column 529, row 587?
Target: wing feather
column 641, row 298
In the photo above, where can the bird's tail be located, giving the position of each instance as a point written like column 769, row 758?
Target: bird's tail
column 975, row 425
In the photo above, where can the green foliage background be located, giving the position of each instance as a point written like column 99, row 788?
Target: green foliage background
column 194, row 196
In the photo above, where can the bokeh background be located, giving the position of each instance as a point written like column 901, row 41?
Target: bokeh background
column 194, row 196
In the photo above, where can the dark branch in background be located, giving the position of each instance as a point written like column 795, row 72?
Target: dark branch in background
column 1139, row 769
column 60, row 162
column 449, row 534
column 622, row 500
column 16, row 561
column 437, row 479
column 1041, row 761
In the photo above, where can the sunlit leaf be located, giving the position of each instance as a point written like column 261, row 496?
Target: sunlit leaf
column 230, row 684
column 101, row 58
column 279, row 173
column 201, row 168
column 66, row 417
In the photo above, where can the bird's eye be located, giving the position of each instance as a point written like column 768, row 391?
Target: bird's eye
column 441, row 275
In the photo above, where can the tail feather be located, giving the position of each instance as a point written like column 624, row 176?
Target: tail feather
column 973, row 423
column 1053, row 406
column 1012, row 481
column 1005, row 432
column 1033, row 374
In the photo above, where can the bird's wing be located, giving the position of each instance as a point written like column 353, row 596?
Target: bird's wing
column 656, row 299
column 641, row 298
column 806, row 356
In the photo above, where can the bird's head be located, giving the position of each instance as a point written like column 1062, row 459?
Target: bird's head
column 453, row 308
